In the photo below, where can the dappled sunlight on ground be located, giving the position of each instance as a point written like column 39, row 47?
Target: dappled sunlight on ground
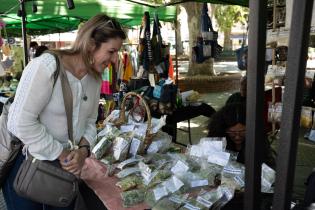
column 185, row 125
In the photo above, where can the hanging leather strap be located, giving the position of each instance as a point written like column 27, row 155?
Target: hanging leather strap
column 67, row 95
column 68, row 101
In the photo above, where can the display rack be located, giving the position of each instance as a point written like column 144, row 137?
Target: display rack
column 276, row 13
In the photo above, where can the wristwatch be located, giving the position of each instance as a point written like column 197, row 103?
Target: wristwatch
column 88, row 149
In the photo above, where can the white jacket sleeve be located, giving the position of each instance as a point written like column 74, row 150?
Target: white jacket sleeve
column 90, row 129
column 33, row 94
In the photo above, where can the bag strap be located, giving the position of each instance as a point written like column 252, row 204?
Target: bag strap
column 68, row 101
column 67, row 95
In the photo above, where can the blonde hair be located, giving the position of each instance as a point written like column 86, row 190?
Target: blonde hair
column 93, row 33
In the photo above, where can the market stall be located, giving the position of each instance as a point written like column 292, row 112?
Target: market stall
column 136, row 165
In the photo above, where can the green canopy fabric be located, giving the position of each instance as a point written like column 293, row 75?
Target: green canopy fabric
column 244, row 3
column 232, row 2
column 53, row 16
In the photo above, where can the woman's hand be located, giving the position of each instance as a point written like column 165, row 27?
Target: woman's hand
column 63, row 156
column 74, row 161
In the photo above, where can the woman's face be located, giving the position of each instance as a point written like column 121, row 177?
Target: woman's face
column 237, row 133
column 107, row 53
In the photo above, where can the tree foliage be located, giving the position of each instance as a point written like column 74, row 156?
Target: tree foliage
column 228, row 15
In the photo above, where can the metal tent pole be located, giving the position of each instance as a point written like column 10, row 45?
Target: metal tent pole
column 176, row 52
column 255, row 101
column 23, row 19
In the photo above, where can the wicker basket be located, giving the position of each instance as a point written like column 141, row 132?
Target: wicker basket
column 123, row 120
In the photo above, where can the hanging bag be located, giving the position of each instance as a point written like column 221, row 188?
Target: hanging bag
column 241, row 54
column 45, row 181
column 241, row 57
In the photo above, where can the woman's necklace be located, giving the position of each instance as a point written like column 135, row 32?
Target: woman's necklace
column 84, row 97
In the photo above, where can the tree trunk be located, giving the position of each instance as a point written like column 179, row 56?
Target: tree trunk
column 193, row 10
column 227, row 40
column 180, row 48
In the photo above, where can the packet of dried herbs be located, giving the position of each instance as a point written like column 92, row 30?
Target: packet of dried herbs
column 129, row 182
column 121, row 146
column 132, row 197
column 102, row 147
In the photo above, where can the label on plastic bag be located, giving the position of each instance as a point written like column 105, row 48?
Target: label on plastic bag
column 210, row 145
column 146, row 172
column 265, row 183
column 154, row 147
column 127, row 128
column 199, row 183
column 231, row 170
column 176, row 199
column 191, row 207
column 127, row 172
column 196, row 151
column 157, row 124
column 228, row 192
column 239, row 181
column 204, row 202
column 134, row 147
column 142, row 129
column 152, row 80
column 179, row 168
column 219, row 158
column 128, row 161
column 173, row 184
column 120, row 146
column 159, row 192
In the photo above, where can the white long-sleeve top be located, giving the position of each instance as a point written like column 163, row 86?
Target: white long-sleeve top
column 38, row 117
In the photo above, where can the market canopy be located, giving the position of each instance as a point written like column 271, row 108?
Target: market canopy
column 53, row 15
column 231, row 2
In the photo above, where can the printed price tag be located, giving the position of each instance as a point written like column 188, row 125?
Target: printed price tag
column 128, row 162
column 173, row 184
column 204, row 202
column 127, row 128
column 239, row 181
column 191, row 207
column 146, row 172
column 152, row 80
column 179, row 168
column 159, row 193
column 199, row 183
column 195, row 151
column 134, row 147
column 219, row 158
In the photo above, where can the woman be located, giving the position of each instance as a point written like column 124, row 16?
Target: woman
column 230, row 122
column 37, row 116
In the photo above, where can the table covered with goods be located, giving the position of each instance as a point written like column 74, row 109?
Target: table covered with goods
column 136, row 166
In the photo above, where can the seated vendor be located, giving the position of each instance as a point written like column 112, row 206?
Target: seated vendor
column 230, row 122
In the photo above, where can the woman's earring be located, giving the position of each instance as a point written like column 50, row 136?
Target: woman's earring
column 91, row 61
